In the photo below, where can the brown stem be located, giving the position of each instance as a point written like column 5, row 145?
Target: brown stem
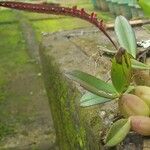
column 58, row 10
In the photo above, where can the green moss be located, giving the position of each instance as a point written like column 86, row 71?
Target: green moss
column 3, row 94
column 12, row 54
column 5, row 130
column 55, row 25
column 6, row 15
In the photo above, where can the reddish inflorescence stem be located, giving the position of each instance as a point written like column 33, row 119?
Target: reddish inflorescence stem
column 58, row 10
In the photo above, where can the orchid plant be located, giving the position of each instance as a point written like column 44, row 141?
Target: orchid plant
column 135, row 109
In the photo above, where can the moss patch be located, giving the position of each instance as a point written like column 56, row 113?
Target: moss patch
column 7, row 16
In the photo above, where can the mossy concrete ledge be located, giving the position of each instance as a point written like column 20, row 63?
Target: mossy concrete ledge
column 73, row 130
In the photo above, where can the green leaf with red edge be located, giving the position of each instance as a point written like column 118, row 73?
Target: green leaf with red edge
column 118, row 132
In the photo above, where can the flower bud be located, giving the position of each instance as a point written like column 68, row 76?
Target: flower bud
column 141, row 125
column 132, row 105
column 144, row 93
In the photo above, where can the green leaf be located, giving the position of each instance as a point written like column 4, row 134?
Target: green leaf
column 138, row 65
column 90, row 99
column 145, row 4
column 93, row 84
column 118, row 132
column 125, row 35
column 121, row 71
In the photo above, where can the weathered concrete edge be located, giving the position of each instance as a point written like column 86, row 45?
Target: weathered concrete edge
column 71, row 129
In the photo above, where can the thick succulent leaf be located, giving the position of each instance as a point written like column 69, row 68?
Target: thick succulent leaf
column 121, row 72
column 90, row 99
column 93, row 84
column 118, row 132
column 125, row 35
column 138, row 65
column 145, row 5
